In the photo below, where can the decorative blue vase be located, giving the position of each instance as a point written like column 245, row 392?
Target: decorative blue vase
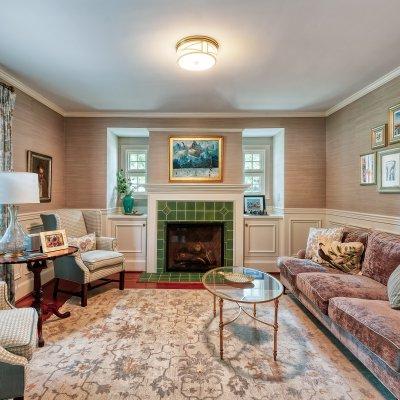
column 128, row 203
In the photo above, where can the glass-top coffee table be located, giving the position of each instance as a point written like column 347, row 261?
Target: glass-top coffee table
column 260, row 288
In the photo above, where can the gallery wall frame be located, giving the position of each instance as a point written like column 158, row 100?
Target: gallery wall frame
column 389, row 170
column 394, row 124
column 379, row 136
column 368, row 169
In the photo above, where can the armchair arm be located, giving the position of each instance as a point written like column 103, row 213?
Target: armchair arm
column 4, row 303
column 106, row 243
column 10, row 358
column 301, row 254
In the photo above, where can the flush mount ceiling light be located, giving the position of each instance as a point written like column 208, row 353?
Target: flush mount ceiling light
column 197, row 53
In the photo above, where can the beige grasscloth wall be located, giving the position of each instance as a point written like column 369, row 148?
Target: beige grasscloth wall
column 86, row 154
column 37, row 128
column 348, row 136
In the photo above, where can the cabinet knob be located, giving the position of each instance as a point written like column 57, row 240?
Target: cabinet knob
column 246, row 224
column 144, row 224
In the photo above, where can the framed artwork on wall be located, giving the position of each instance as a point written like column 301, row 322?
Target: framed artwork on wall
column 195, row 159
column 254, row 204
column 42, row 165
column 368, row 169
column 394, row 124
column 389, row 171
column 379, row 136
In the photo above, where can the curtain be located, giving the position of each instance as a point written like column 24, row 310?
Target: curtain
column 7, row 103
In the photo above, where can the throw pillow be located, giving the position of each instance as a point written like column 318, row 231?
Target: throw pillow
column 393, row 287
column 345, row 257
column 317, row 235
column 83, row 243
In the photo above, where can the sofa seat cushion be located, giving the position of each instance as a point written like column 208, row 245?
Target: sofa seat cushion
column 319, row 288
column 373, row 323
column 290, row 267
column 382, row 256
column 18, row 331
column 97, row 259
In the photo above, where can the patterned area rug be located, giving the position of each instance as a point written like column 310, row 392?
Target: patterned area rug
column 146, row 344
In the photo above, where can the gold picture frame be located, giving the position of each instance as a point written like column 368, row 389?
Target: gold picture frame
column 394, row 124
column 368, row 169
column 196, row 159
column 379, row 136
column 53, row 240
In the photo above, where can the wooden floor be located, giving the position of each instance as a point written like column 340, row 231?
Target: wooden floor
column 131, row 282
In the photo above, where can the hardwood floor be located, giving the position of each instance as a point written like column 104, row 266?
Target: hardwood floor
column 131, row 282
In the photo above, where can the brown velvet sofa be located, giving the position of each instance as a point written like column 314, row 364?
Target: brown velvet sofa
column 355, row 308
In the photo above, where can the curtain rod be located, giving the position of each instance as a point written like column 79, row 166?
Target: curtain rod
column 10, row 88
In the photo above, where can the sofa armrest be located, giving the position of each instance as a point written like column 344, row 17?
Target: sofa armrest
column 4, row 303
column 301, row 254
column 106, row 243
column 9, row 358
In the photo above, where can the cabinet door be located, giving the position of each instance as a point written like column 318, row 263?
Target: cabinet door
column 131, row 237
column 261, row 238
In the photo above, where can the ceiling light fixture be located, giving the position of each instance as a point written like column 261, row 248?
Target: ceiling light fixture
column 197, row 53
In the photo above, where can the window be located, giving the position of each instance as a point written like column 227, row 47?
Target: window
column 136, row 169
column 254, row 170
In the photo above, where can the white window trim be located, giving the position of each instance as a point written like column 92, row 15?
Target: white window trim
column 124, row 150
column 267, row 165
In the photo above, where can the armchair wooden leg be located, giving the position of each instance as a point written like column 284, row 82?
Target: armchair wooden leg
column 84, row 291
column 122, row 280
column 55, row 289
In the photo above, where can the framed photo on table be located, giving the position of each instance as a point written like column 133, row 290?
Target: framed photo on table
column 53, row 240
column 389, row 171
column 195, row 159
column 254, row 204
column 368, row 169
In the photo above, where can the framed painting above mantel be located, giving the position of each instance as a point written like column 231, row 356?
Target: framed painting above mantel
column 195, row 159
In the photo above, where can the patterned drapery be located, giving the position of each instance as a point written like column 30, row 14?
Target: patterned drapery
column 7, row 103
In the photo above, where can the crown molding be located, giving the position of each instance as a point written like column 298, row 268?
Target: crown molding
column 251, row 114
column 11, row 80
column 367, row 89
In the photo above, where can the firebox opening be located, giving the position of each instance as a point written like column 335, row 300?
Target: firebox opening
column 194, row 247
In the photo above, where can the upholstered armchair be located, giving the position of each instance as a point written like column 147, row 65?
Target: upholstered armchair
column 18, row 339
column 84, row 267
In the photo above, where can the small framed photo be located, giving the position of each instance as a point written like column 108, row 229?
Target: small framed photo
column 42, row 165
column 389, row 171
column 368, row 169
column 394, row 124
column 254, row 204
column 53, row 240
column 379, row 136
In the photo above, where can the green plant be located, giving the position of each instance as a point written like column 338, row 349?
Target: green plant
column 123, row 187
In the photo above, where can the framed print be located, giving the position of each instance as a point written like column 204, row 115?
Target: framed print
column 389, row 171
column 379, row 136
column 41, row 165
column 195, row 159
column 254, row 204
column 394, row 124
column 368, row 169
column 53, row 240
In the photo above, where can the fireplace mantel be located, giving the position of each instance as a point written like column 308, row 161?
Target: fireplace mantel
column 195, row 187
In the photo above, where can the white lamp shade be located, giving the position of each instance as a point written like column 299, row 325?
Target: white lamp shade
column 19, row 188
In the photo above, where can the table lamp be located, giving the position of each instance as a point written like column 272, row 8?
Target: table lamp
column 16, row 188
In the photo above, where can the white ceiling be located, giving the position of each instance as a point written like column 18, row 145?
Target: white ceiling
column 298, row 55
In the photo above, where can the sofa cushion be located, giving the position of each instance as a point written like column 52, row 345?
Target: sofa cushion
column 393, row 287
column 356, row 235
column 319, row 288
column 373, row 323
column 318, row 235
column 18, row 331
column 291, row 266
column 96, row 259
column 83, row 243
column 382, row 256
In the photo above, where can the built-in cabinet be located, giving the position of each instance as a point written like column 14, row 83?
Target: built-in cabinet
column 262, row 241
column 131, row 234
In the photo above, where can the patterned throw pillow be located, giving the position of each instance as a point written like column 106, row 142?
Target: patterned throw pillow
column 393, row 287
column 343, row 256
column 318, row 235
column 84, row 243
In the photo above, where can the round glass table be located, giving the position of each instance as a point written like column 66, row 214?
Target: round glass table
column 243, row 285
